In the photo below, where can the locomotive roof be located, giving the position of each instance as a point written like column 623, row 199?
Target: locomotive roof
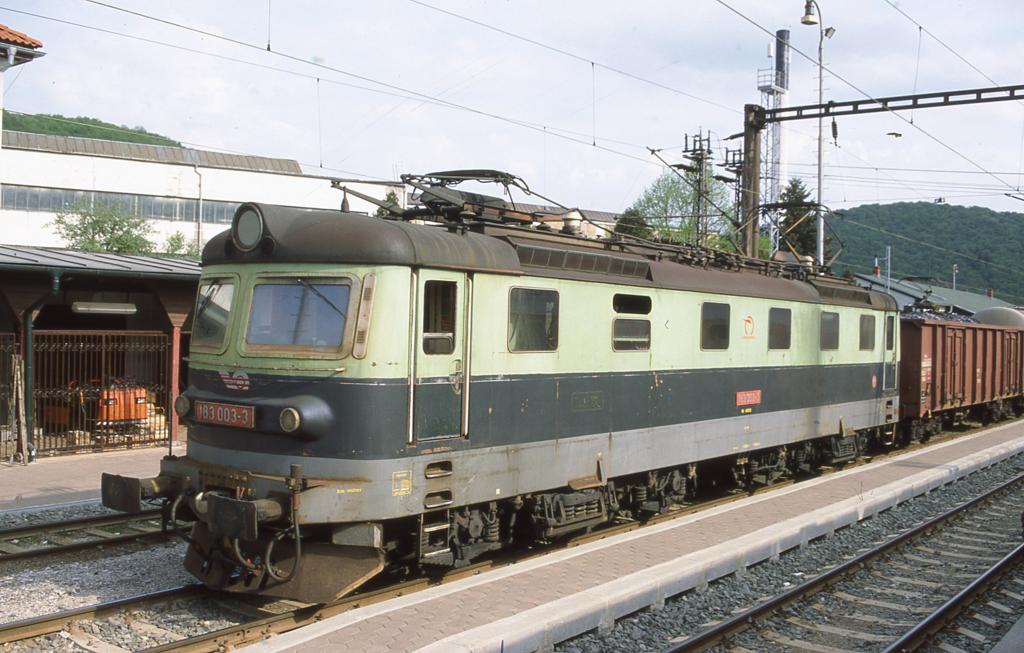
column 328, row 236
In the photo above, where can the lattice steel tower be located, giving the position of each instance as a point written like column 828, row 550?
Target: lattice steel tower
column 774, row 84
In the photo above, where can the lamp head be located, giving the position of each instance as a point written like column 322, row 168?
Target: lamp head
column 810, row 16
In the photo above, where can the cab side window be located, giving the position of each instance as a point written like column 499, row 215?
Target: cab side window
column 439, row 308
column 714, row 326
column 532, row 320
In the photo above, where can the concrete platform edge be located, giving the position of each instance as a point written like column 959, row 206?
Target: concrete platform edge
column 539, row 629
column 542, row 627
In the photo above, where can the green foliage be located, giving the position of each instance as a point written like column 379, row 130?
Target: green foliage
column 928, row 239
column 103, row 228
column 798, row 223
column 390, row 199
column 178, row 244
column 631, row 223
column 669, row 206
column 81, row 126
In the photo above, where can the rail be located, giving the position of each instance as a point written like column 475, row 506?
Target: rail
column 723, row 631
column 50, row 538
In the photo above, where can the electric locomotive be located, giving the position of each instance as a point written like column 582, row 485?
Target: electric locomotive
column 372, row 393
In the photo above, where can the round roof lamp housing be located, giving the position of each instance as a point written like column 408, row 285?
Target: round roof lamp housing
column 248, row 228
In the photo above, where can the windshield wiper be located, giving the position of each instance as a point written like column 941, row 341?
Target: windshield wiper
column 206, row 298
column 321, row 296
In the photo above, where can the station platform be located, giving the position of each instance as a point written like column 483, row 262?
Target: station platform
column 535, row 604
column 76, row 477
column 1012, row 641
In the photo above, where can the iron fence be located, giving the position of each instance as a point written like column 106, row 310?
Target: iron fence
column 8, row 425
column 99, row 390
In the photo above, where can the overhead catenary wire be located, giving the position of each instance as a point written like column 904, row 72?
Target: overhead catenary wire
column 578, row 57
column 388, row 88
column 955, row 53
column 366, row 78
column 922, row 243
column 869, row 96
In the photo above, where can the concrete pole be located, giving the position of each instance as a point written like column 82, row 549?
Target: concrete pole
column 750, row 177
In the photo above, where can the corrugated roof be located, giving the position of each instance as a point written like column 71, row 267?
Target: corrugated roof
column 141, row 152
column 906, row 292
column 556, row 212
column 15, row 257
column 14, row 37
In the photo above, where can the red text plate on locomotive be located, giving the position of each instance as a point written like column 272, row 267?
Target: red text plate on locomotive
column 225, row 414
column 748, row 398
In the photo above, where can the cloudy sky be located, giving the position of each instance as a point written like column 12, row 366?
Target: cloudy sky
column 376, row 88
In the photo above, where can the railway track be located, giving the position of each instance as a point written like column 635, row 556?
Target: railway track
column 75, row 534
column 934, row 584
column 255, row 618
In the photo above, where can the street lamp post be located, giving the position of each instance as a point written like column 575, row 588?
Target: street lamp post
column 812, row 16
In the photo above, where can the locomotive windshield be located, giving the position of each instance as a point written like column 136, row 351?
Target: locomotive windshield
column 298, row 313
column 213, row 307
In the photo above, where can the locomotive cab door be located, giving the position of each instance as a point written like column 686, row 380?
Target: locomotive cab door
column 889, row 353
column 440, row 388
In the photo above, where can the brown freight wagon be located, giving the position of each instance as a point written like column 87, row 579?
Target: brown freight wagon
column 950, row 369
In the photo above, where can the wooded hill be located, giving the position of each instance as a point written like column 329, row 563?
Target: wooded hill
column 927, row 239
column 81, row 126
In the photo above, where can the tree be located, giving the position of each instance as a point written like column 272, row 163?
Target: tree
column 798, row 222
column 81, row 126
column 670, row 207
column 631, row 223
column 390, row 199
column 178, row 244
column 103, row 228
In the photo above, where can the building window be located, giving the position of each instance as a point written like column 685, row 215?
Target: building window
column 867, row 332
column 55, row 200
column 779, row 328
column 714, row 326
column 631, row 335
column 890, row 332
column 439, row 317
column 532, row 320
column 635, row 304
column 829, row 334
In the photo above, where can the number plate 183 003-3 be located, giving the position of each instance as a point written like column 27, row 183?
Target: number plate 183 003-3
column 224, row 414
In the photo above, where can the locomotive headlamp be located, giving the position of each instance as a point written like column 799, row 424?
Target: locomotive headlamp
column 247, row 228
column 290, row 420
column 182, row 405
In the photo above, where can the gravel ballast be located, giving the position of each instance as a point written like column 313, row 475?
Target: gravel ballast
column 73, row 583
column 688, row 613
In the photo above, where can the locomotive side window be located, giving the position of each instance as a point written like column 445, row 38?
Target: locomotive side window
column 439, row 317
column 636, row 304
column 631, row 335
column 714, row 326
column 890, row 332
column 779, row 328
column 829, row 334
column 298, row 312
column 532, row 320
column 867, row 332
column 213, row 307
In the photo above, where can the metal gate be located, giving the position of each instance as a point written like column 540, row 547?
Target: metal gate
column 98, row 390
column 8, row 425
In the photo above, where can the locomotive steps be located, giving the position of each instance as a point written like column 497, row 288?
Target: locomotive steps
column 568, row 615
